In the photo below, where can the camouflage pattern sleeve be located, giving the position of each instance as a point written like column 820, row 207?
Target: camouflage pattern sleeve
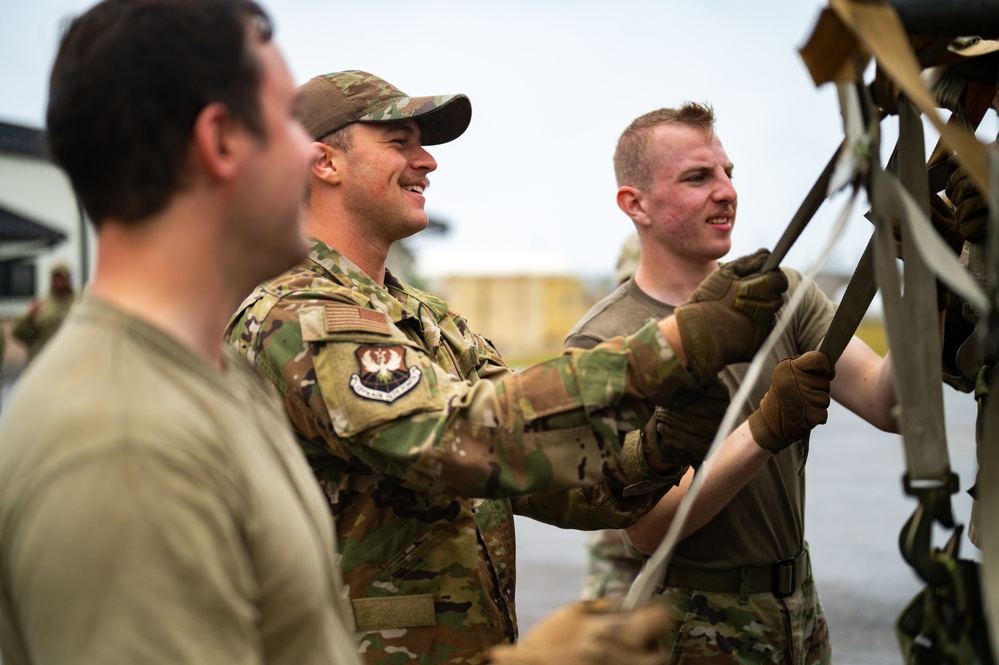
column 628, row 493
column 360, row 386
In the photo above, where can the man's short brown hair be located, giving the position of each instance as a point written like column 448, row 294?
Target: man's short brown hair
column 128, row 83
column 632, row 158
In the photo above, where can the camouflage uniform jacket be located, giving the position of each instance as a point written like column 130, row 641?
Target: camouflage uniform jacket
column 35, row 332
column 425, row 443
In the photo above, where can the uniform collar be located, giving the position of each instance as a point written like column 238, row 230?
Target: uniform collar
column 364, row 290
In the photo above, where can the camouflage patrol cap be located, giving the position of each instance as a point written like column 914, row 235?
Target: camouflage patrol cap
column 333, row 101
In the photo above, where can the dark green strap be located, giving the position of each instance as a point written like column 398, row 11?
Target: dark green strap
column 852, row 307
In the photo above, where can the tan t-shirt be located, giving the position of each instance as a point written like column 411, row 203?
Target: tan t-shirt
column 155, row 510
column 764, row 522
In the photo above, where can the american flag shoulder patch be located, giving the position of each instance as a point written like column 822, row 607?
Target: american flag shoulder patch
column 343, row 317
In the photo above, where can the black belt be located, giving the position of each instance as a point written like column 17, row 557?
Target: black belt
column 781, row 578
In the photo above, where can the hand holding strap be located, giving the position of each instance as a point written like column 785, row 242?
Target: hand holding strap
column 730, row 314
column 683, row 432
column 795, row 403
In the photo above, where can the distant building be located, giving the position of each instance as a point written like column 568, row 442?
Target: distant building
column 526, row 316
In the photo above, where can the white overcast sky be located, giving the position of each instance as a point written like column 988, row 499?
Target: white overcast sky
column 552, row 83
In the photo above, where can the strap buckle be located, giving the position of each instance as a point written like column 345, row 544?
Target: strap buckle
column 785, row 577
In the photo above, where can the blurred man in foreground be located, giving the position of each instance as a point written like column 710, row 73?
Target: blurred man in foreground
column 154, row 507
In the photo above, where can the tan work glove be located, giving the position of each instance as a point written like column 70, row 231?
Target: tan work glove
column 972, row 208
column 796, row 402
column 591, row 632
column 683, row 431
column 730, row 314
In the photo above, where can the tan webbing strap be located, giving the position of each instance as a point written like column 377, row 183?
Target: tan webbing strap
column 937, row 255
column 976, row 102
column 914, row 335
column 911, row 326
column 988, row 508
column 876, row 28
column 394, row 612
column 988, row 491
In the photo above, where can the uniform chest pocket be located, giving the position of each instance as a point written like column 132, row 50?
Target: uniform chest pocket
column 369, row 372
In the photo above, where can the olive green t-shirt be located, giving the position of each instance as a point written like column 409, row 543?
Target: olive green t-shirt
column 764, row 522
column 156, row 510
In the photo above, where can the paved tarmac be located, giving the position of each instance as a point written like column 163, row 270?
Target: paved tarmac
column 854, row 512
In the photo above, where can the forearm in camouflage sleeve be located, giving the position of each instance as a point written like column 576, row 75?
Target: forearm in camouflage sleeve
column 654, row 374
column 629, row 492
column 553, row 426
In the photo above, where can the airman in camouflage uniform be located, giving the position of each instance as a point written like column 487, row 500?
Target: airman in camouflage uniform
column 424, row 442
column 45, row 315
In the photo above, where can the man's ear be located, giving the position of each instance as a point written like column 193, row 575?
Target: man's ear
column 631, row 201
column 220, row 142
column 328, row 163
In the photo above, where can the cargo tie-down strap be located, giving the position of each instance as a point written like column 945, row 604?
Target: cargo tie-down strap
column 988, row 490
column 946, row 617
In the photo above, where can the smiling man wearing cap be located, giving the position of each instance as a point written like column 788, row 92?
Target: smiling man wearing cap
column 423, row 440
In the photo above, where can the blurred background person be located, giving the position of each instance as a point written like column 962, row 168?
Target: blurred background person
column 46, row 314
